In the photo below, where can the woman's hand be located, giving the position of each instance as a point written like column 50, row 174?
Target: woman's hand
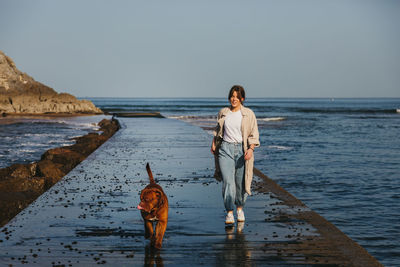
column 248, row 154
column 213, row 147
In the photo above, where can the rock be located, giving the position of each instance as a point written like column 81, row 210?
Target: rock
column 47, row 168
column 13, row 202
column 36, row 184
column 21, row 94
column 109, row 127
column 9, row 209
column 21, row 171
column 18, row 171
column 64, row 156
column 33, row 167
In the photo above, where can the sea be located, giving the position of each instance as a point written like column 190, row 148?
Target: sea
column 341, row 157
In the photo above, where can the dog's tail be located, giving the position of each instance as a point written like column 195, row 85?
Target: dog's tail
column 150, row 174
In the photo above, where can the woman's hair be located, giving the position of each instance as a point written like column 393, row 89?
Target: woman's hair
column 239, row 91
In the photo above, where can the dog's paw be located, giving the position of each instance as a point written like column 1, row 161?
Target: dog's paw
column 148, row 235
column 155, row 244
column 158, row 245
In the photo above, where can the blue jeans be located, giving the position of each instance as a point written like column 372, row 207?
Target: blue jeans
column 231, row 163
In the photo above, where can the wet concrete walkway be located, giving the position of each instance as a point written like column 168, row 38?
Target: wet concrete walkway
column 90, row 216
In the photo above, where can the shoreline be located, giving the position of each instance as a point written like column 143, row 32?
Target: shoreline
column 21, row 184
column 52, row 115
column 49, row 115
column 135, row 114
column 11, row 118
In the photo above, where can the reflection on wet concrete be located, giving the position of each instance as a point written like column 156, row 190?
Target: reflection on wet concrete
column 235, row 250
column 152, row 257
column 90, row 216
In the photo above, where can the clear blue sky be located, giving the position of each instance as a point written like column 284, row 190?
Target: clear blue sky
column 188, row 48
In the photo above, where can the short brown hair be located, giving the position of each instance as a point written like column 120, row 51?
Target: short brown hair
column 239, row 91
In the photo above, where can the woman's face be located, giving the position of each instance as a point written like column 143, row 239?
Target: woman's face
column 235, row 101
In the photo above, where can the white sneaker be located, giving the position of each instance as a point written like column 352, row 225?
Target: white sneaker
column 240, row 215
column 229, row 218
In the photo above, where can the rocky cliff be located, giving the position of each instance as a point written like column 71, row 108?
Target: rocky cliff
column 21, row 94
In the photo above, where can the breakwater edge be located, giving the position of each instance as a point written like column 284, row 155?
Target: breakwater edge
column 21, row 183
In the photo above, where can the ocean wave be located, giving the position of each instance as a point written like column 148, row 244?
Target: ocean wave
column 8, row 138
column 280, row 147
column 86, row 125
column 27, row 151
column 158, row 108
column 78, row 125
column 33, row 144
column 42, row 135
column 272, row 119
column 66, row 144
column 345, row 110
column 191, row 117
column 72, row 138
column 214, row 118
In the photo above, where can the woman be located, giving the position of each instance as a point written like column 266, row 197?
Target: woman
column 235, row 137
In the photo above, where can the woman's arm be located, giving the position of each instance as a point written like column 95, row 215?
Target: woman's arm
column 253, row 139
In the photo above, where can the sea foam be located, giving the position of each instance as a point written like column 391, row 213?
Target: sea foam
column 272, row 119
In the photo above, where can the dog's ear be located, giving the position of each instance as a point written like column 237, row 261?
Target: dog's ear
column 142, row 193
column 156, row 190
column 159, row 197
column 158, row 193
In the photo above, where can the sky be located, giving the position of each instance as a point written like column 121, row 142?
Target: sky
column 200, row 48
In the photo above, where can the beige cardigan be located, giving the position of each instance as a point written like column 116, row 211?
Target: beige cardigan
column 250, row 137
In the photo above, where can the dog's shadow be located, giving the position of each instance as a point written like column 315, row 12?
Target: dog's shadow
column 152, row 256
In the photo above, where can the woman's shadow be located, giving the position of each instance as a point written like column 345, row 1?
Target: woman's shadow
column 235, row 251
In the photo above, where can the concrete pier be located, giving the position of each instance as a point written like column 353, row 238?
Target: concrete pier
column 90, row 216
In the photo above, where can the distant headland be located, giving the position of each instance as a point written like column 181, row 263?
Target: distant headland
column 20, row 94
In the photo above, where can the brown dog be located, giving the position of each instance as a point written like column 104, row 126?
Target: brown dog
column 154, row 207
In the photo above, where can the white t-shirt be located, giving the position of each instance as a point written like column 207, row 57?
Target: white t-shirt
column 233, row 127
